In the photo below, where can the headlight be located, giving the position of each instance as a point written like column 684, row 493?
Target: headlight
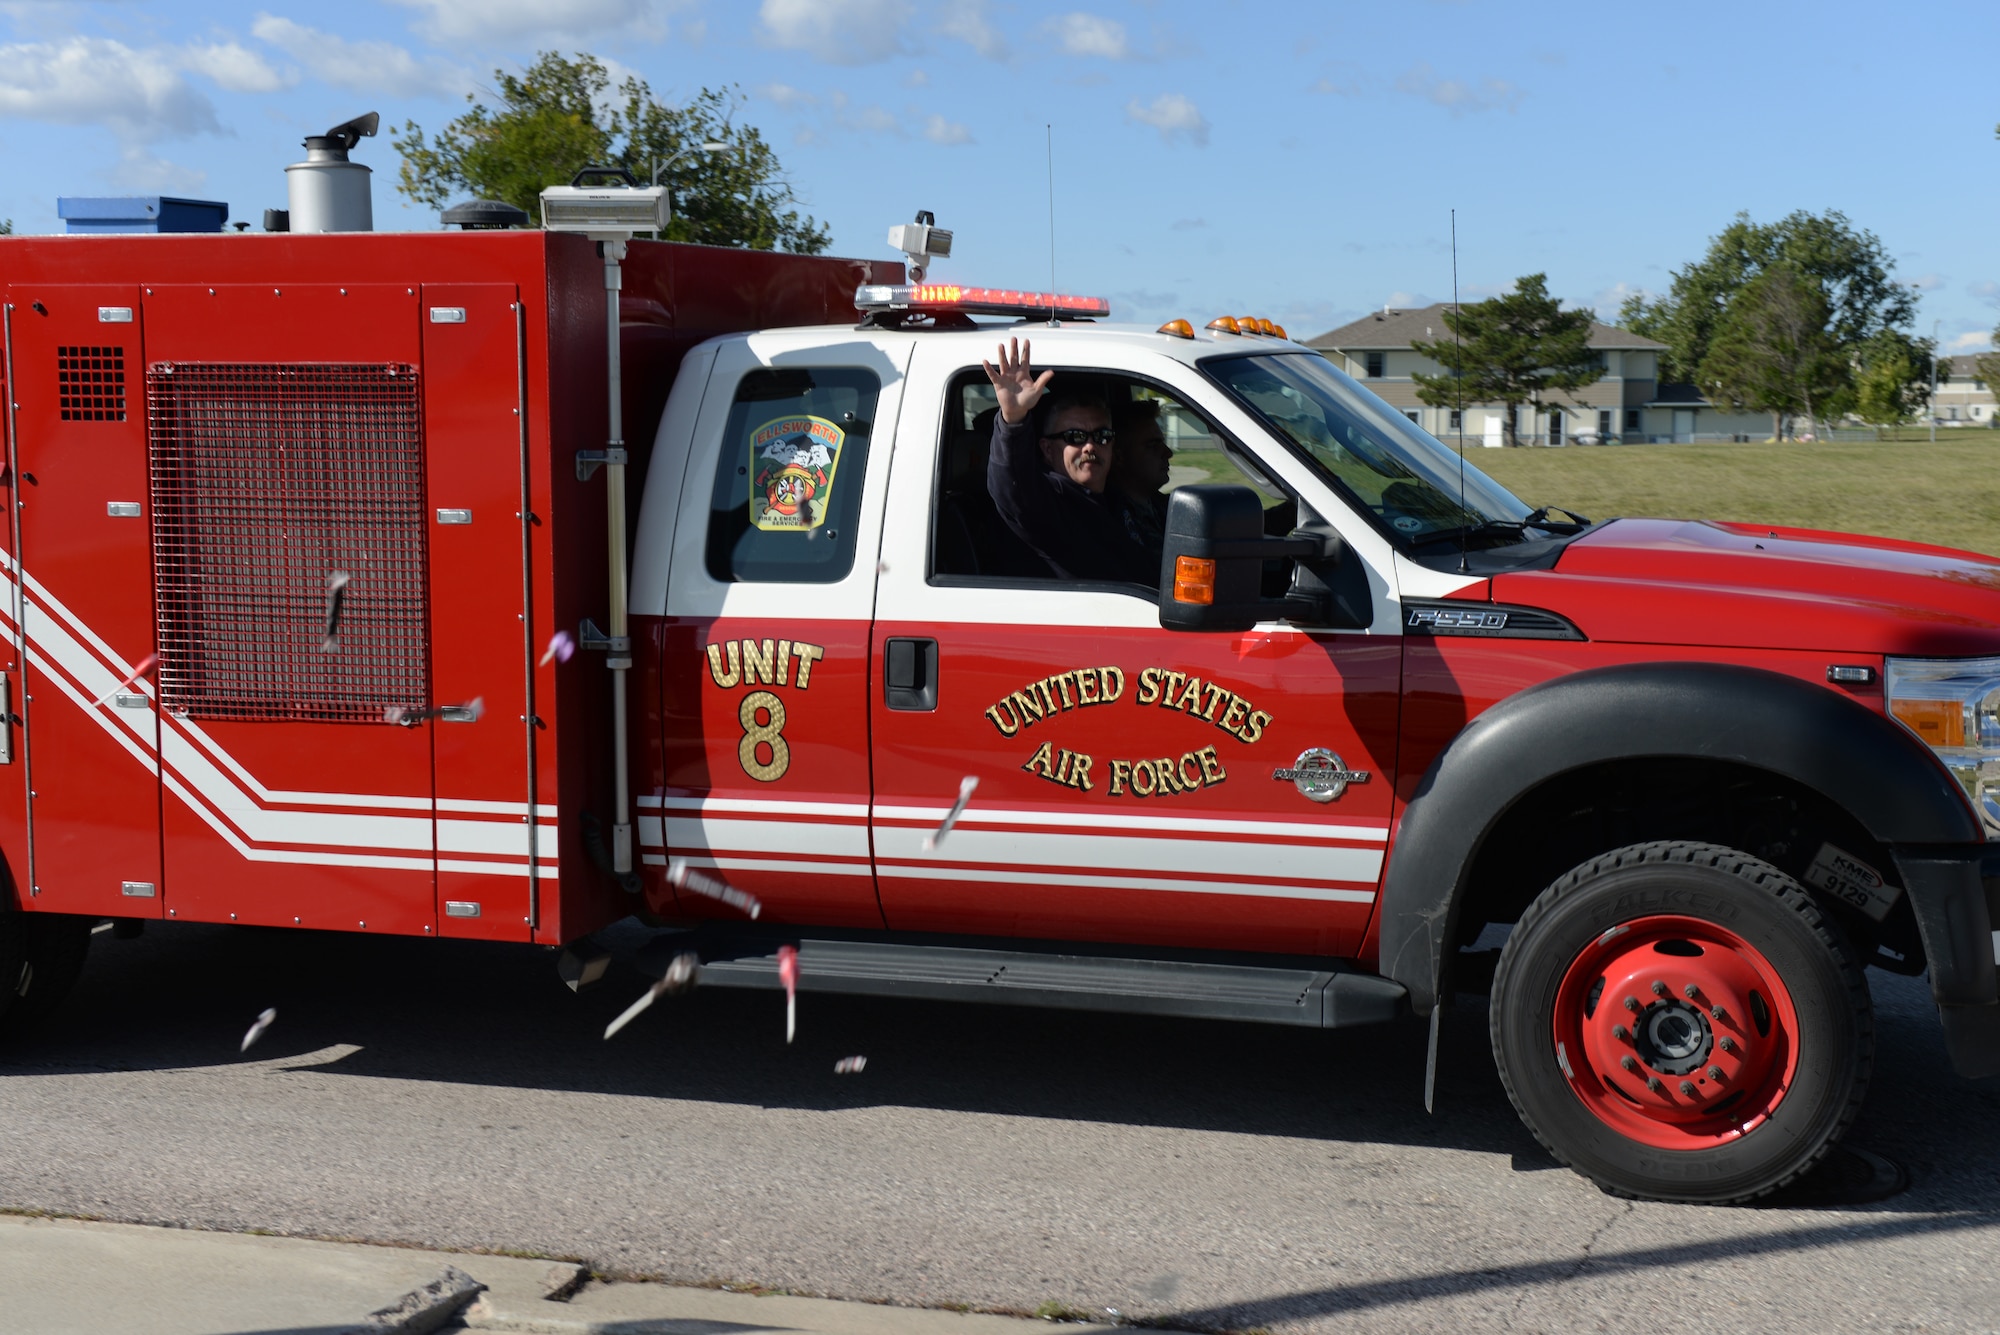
column 1953, row 704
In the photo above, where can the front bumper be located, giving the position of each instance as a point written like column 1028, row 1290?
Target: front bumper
column 1955, row 893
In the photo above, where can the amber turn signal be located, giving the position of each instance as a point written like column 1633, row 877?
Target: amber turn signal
column 1266, row 327
column 1194, row 580
column 1224, row 324
column 1178, row 328
column 1279, row 330
column 1248, row 324
column 1938, row 722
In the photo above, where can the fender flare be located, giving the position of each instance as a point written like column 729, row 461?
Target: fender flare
column 1860, row 760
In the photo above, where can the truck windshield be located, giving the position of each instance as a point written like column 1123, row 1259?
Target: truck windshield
column 1386, row 464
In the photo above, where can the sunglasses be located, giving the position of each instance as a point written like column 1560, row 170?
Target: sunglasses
column 1076, row 435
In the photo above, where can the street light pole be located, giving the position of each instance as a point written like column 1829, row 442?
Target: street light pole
column 1934, row 368
column 713, row 146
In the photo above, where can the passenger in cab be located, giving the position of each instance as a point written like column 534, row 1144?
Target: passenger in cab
column 1139, row 468
column 1049, row 472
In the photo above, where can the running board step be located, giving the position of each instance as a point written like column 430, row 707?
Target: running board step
column 1320, row 998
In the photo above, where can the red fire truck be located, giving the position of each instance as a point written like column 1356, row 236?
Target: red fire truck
column 293, row 517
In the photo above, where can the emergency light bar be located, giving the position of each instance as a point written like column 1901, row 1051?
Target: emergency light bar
column 975, row 300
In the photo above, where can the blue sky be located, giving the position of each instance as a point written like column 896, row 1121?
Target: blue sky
column 1298, row 161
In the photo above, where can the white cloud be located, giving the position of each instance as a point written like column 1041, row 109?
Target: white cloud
column 1928, row 282
column 141, row 95
column 1987, row 291
column 941, row 131
column 787, row 96
column 145, row 173
column 1457, row 96
column 843, row 32
column 1173, row 115
column 1080, row 34
column 234, row 67
column 965, row 21
column 363, row 66
column 493, row 21
column 1977, row 340
column 1187, row 224
column 916, row 79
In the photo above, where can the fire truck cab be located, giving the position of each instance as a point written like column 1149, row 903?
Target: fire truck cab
column 1372, row 704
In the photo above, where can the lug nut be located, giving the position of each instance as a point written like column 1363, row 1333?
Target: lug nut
column 1690, row 991
column 1628, row 1063
column 1653, row 1083
column 1687, row 1088
column 1717, row 1013
column 1726, row 1043
column 1659, row 988
column 1715, row 1073
column 1619, row 1031
column 1631, row 1003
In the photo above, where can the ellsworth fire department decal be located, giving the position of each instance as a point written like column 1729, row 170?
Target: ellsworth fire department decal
column 792, row 465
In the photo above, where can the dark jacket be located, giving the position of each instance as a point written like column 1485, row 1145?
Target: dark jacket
column 1081, row 534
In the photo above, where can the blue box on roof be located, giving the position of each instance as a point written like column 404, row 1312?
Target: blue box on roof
column 140, row 213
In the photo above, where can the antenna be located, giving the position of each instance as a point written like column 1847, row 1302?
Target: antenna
column 1458, row 388
column 1049, row 146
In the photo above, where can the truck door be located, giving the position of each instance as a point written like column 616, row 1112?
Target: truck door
column 81, row 596
column 286, row 431
column 765, row 642
column 1128, row 776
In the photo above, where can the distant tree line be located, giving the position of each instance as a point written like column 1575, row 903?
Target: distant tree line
column 1800, row 318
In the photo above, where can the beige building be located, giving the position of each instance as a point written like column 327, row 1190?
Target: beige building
column 1627, row 404
column 1963, row 398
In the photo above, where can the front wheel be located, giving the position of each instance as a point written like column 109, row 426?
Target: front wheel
column 1678, row 1021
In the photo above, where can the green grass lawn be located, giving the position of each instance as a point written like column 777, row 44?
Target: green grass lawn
column 1947, row 493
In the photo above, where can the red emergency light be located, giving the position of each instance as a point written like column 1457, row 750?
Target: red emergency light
column 975, row 300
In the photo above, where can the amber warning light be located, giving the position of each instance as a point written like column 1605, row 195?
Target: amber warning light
column 974, row 300
column 1194, row 580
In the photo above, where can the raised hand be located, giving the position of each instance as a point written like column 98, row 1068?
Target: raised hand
column 1019, row 388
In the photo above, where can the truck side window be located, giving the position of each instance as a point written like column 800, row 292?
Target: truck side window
column 788, row 482
column 971, row 539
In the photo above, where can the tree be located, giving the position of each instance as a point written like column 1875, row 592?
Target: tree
column 1513, row 349
column 6, row 227
column 559, row 116
column 1851, row 268
column 1772, row 351
column 1889, row 387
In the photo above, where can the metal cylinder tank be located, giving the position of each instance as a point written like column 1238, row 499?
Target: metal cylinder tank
column 328, row 193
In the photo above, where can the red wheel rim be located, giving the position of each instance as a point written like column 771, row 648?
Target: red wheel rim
column 1676, row 1032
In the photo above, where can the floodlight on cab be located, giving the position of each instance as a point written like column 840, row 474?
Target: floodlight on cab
column 1224, row 324
column 921, row 242
column 1178, row 328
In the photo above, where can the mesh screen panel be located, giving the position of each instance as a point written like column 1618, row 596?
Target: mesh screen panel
column 267, row 478
column 90, row 383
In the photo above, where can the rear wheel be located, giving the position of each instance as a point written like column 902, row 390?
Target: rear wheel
column 1678, row 1021
column 48, row 957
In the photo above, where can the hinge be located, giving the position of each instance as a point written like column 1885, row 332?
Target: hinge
column 589, row 461
column 619, row 647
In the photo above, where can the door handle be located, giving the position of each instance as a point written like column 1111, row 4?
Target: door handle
column 910, row 674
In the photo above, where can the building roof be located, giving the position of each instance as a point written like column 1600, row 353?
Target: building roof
column 1385, row 329
column 1966, row 364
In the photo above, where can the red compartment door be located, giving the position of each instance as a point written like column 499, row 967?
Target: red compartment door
column 286, row 429
column 82, row 594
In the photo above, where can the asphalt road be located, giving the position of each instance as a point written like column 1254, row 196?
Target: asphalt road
column 1206, row 1175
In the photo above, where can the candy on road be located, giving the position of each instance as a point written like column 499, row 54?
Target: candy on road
column 336, row 599
column 562, row 646
column 683, row 877
column 257, row 1029
column 965, row 787
column 633, row 1011
column 145, row 666
column 788, row 974
column 850, row 1065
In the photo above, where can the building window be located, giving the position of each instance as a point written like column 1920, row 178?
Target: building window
column 1631, row 419
column 1555, row 426
column 1375, row 365
column 1603, row 421
column 1415, row 415
column 1456, row 422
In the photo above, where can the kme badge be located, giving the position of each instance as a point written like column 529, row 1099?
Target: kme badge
column 792, row 463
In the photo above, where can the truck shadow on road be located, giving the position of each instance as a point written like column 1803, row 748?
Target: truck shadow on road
column 480, row 1014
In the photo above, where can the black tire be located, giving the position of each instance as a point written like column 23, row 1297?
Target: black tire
column 53, row 949
column 1583, row 1113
